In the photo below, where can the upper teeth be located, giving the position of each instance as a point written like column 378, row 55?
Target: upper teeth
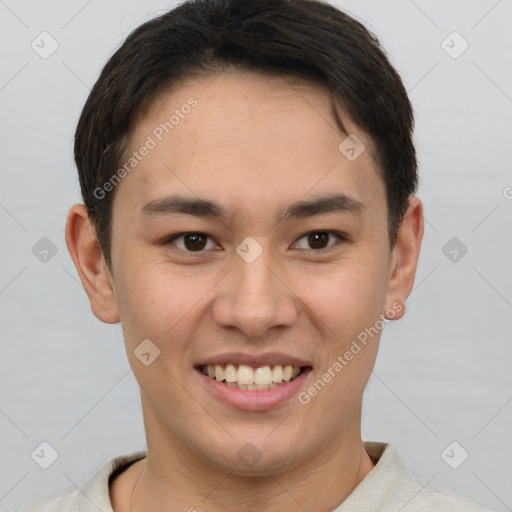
column 244, row 374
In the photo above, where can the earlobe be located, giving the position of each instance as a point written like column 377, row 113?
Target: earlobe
column 86, row 254
column 405, row 258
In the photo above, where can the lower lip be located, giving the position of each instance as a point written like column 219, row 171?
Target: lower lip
column 252, row 400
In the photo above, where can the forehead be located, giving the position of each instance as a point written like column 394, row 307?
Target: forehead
column 248, row 135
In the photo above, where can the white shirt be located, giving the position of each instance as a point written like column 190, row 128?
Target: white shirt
column 389, row 487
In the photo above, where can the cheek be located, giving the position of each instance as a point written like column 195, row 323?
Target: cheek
column 159, row 304
column 349, row 303
column 349, row 298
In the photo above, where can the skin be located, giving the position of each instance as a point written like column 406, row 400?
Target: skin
column 292, row 299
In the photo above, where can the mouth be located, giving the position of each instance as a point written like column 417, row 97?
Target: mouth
column 253, row 382
column 248, row 378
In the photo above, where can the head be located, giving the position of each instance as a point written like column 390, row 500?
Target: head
column 248, row 175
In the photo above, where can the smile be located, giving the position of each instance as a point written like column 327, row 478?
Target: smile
column 245, row 377
column 253, row 382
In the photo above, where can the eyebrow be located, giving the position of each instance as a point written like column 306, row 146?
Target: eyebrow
column 177, row 204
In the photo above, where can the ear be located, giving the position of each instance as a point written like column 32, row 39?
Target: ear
column 90, row 264
column 404, row 259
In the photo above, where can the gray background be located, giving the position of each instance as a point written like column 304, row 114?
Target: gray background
column 443, row 372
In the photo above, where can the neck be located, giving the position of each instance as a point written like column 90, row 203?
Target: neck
column 174, row 478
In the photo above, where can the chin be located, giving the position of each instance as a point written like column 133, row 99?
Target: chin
column 255, row 456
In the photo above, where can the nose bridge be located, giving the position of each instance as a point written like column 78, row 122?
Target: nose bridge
column 254, row 298
column 255, row 279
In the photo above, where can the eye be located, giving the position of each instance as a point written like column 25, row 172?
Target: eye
column 192, row 241
column 319, row 240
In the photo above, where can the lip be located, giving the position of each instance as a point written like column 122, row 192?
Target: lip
column 270, row 358
column 248, row 400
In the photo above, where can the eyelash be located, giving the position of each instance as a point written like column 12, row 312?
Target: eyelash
column 340, row 236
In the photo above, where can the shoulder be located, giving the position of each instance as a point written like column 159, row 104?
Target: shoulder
column 89, row 494
column 416, row 495
column 67, row 500
column 408, row 493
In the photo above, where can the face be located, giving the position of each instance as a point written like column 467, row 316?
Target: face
column 244, row 242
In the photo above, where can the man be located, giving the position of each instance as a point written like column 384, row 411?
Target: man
column 248, row 174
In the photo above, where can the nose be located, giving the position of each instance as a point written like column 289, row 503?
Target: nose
column 255, row 297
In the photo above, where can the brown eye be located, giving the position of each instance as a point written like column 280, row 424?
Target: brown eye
column 192, row 242
column 318, row 240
